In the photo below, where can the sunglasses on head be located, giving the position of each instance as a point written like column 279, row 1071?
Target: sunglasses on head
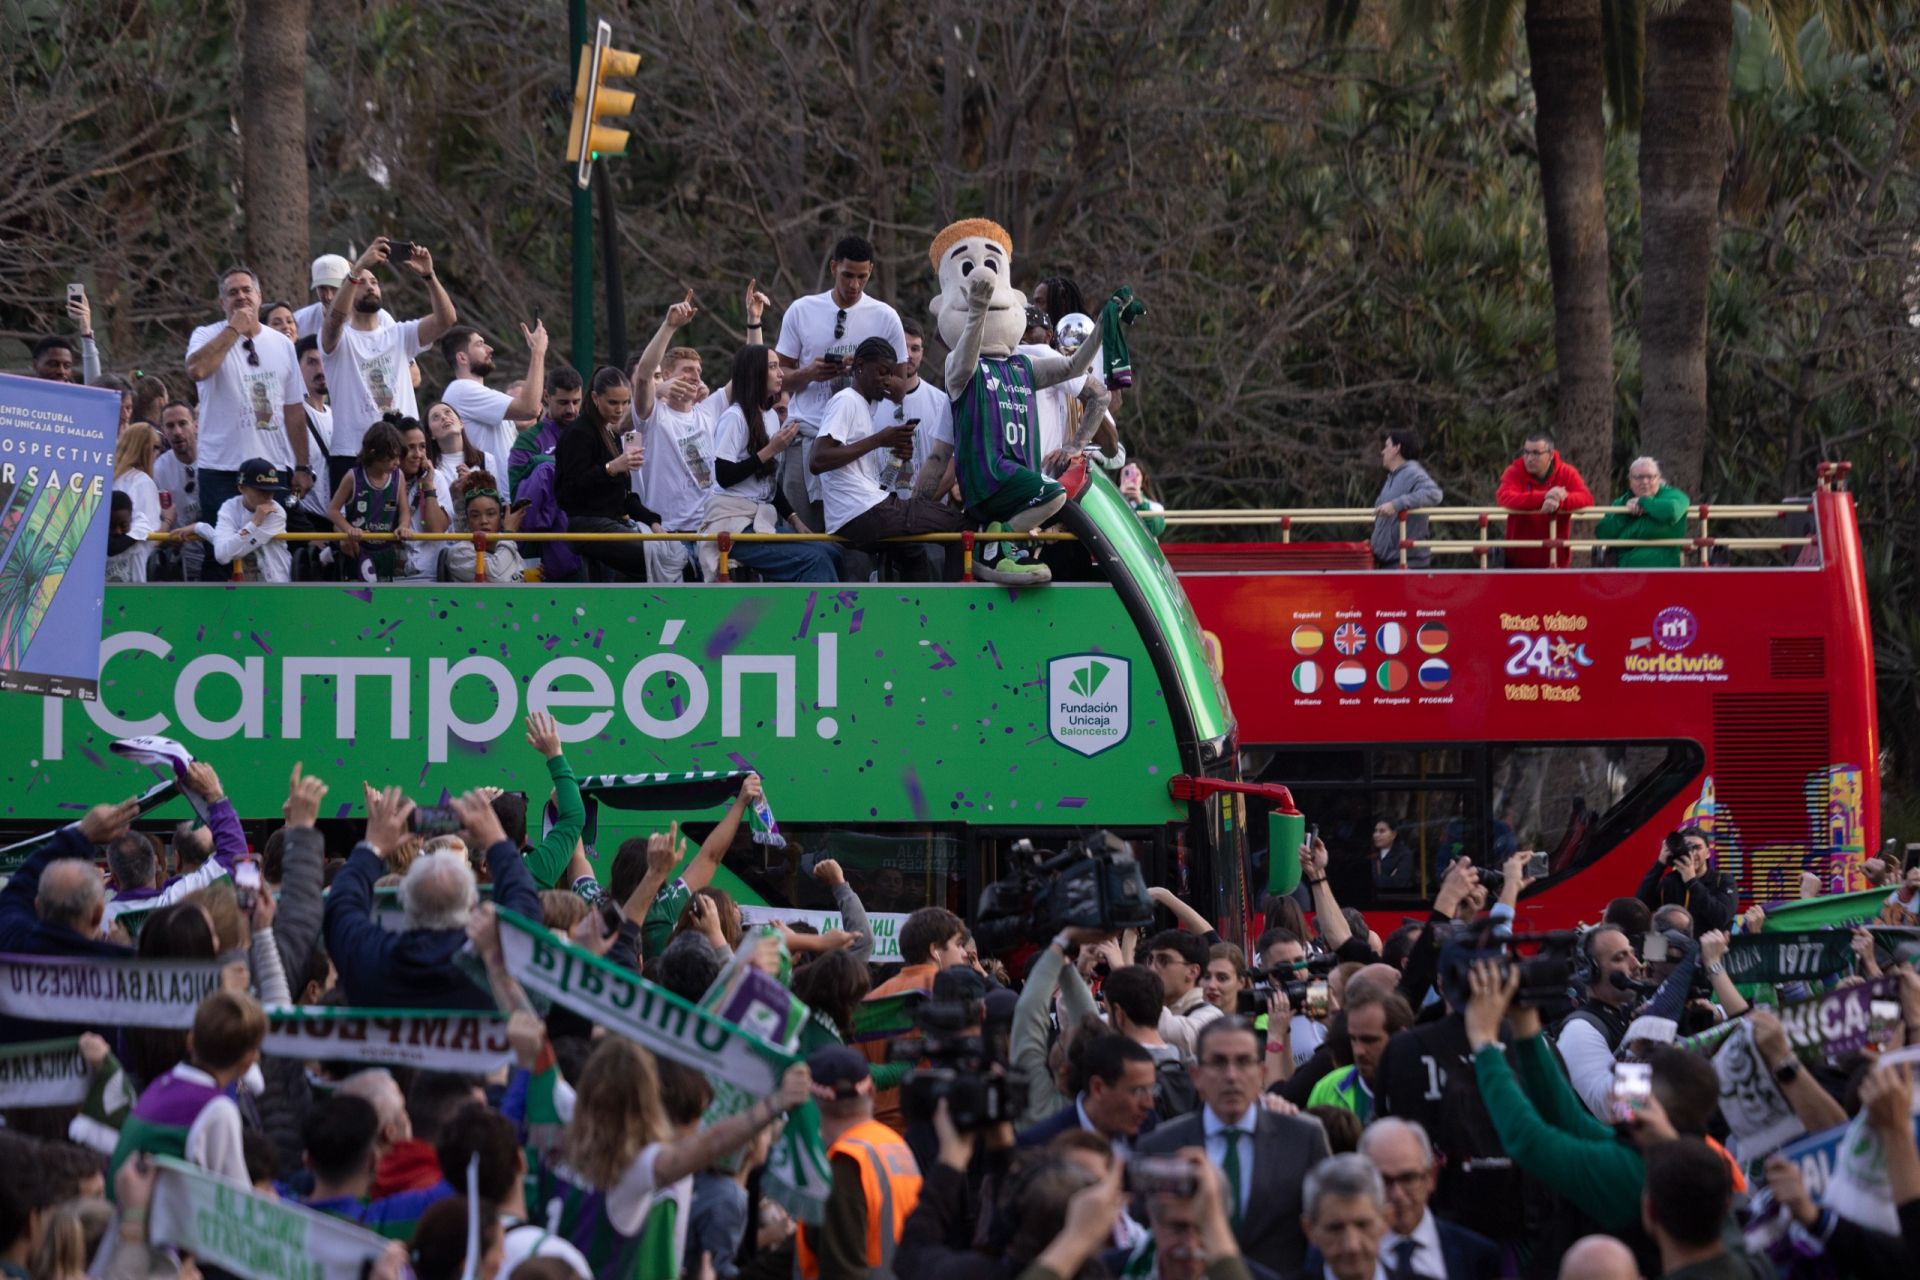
column 253, row 357
column 840, row 324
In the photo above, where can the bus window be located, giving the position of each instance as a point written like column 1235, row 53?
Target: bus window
column 1394, row 824
column 895, row 871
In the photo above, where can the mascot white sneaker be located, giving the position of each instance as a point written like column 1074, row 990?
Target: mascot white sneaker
column 996, row 441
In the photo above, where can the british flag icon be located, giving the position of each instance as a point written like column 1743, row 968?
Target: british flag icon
column 1350, row 638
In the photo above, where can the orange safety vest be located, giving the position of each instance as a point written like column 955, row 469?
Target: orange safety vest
column 891, row 1180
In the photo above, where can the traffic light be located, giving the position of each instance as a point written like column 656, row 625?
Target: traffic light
column 592, row 101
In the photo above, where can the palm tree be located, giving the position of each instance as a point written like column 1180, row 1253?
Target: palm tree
column 273, row 142
column 1684, row 143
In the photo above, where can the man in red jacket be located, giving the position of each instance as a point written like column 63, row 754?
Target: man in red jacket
column 1540, row 480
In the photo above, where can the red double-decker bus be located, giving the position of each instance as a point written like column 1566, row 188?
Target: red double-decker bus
column 1583, row 712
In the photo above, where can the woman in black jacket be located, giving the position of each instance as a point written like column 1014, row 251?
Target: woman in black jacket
column 594, row 464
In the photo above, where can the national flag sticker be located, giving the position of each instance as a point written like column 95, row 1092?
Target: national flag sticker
column 1433, row 637
column 1306, row 677
column 1391, row 637
column 1434, row 674
column 1350, row 638
column 1307, row 639
column 1349, row 677
column 1391, row 676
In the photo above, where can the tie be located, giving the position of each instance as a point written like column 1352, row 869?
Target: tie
column 1231, row 1167
column 1403, row 1251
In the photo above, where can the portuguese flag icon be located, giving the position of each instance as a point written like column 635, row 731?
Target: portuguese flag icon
column 1391, row 676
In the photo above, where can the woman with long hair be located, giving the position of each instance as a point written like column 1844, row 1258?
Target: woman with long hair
column 1138, row 491
column 618, row 1154
column 1225, row 978
column 278, row 316
column 745, row 496
column 595, row 463
column 133, row 455
column 452, row 454
column 181, row 931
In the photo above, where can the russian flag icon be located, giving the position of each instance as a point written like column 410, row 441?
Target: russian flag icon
column 1434, row 674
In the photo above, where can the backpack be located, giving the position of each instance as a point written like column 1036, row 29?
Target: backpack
column 1173, row 1091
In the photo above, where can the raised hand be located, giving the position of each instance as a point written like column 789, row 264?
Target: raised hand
column 477, row 816
column 756, row 302
column 1493, row 987
column 681, row 313
column 536, row 337
column 387, row 814
column 376, row 252
column 105, row 822
column 828, row 872
column 796, row 1086
column 543, row 735
column 421, row 263
column 980, row 291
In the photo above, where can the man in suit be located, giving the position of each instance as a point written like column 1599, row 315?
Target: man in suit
column 1264, row 1156
column 1346, row 1216
column 1419, row 1246
column 1115, row 1098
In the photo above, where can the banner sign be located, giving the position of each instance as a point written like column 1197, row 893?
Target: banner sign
column 870, row 705
column 1845, row 1020
column 1759, row 1115
column 46, row 1073
column 105, row 992
column 56, row 466
column 251, row 1235
column 1799, row 956
column 469, row 1043
column 1825, row 911
column 657, row 1020
column 886, row 926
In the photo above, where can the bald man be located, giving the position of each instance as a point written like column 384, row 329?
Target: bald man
column 52, row 906
column 1382, row 977
column 1598, row 1258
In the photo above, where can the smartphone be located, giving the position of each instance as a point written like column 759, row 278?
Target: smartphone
column 400, row 250
column 1632, row 1090
column 1653, row 949
column 76, row 292
column 610, row 917
column 521, row 505
column 1912, row 859
column 434, row 820
column 1162, row 1175
column 1318, row 1002
column 246, row 883
column 1537, row 867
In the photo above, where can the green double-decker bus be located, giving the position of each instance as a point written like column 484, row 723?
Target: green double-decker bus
column 913, row 732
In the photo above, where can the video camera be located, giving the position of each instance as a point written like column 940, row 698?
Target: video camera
column 1091, row 884
column 1546, row 976
column 1302, row 993
column 965, row 1055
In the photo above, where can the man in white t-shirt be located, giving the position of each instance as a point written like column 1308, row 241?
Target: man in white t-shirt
column 309, row 514
column 368, row 363
column 909, row 399
column 488, row 416
column 677, row 438
column 329, row 273
column 250, row 389
column 818, row 336
column 173, row 475
column 850, row 457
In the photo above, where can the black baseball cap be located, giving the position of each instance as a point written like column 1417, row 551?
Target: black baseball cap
column 258, row 473
column 839, row 1072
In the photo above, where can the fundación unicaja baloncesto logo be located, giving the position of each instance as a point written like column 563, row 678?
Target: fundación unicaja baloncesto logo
column 1089, row 706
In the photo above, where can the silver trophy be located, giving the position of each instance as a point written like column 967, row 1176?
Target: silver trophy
column 1071, row 331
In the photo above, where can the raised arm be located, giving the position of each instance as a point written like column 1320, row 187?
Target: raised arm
column 678, row 316
column 547, row 862
column 1190, row 919
column 1051, row 371
column 528, row 404
column 435, row 326
column 713, row 850
column 342, row 309
column 1094, row 400
column 689, row 1156
column 1334, row 929
column 965, row 356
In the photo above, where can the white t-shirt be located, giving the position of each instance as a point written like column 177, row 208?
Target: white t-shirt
column 448, row 469
column 934, row 410
column 678, row 471
column 423, row 558
column 367, row 376
column 243, row 405
column 322, row 492
column 483, row 414
column 308, row 319
column 730, row 442
column 139, row 486
column 171, row 477
column 1050, row 403
column 851, row 491
column 806, row 334
column 236, row 535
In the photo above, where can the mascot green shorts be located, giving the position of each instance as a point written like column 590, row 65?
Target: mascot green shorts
column 1017, row 493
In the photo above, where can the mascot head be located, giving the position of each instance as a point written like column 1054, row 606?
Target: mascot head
column 959, row 253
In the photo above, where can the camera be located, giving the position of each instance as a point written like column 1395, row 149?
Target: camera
column 963, row 1054
column 1302, row 993
column 1546, row 975
column 434, row 820
column 400, row 250
column 1091, row 884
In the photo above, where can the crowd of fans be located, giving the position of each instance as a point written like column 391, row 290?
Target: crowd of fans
column 1447, row 1101
column 315, row 421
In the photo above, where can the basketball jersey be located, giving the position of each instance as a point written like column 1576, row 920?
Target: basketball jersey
column 994, row 432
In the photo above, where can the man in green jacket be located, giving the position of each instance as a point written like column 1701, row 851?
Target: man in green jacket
column 1656, row 510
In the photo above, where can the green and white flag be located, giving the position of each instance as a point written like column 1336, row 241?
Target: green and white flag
column 470, row 1043
column 106, row 992
column 626, row 1004
column 46, row 1073
column 251, row 1235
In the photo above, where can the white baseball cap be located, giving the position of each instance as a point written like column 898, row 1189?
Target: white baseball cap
column 330, row 269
